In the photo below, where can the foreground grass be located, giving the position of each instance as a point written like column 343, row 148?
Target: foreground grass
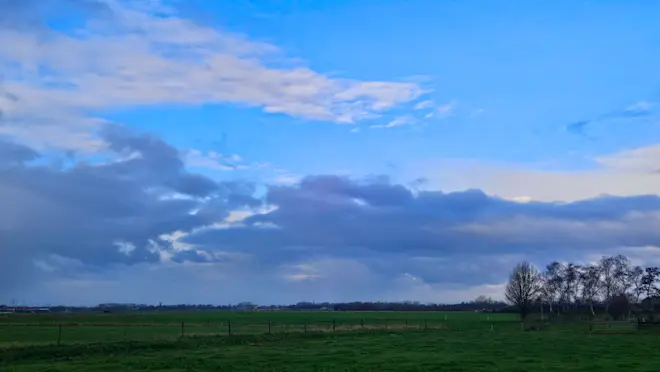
column 467, row 350
column 453, row 342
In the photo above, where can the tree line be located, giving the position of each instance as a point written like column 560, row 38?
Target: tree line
column 613, row 285
column 482, row 303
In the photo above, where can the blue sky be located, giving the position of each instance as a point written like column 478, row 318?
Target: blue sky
column 533, row 69
column 169, row 108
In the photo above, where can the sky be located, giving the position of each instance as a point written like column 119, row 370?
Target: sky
column 273, row 151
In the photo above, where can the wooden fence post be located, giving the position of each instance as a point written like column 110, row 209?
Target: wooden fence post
column 362, row 323
column 268, row 325
column 406, row 323
column 425, row 325
column 229, row 327
column 333, row 324
column 59, row 334
column 183, row 329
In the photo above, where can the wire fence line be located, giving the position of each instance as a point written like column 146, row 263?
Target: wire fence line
column 31, row 333
column 65, row 332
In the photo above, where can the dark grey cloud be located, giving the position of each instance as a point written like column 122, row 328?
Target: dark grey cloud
column 89, row 211
column 15, row 154
column 437, row 236
column 5, row 96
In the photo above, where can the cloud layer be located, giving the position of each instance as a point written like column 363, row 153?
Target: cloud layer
column 102, row 214
column 85, row 232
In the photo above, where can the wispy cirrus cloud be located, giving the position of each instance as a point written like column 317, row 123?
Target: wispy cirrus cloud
column 396, row 122
column 446, row 109
column 432, row 111
column 435, row 110
column 424, row 105
column 641, row 109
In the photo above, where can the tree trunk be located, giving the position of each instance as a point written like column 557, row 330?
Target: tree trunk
column 607, row 308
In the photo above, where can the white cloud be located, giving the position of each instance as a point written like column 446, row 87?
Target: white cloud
column 440, row 112
column 626, row 173
column 135, row 58
column 287, row 179
column 397, row 122
column 214, row 160
column 424, row 105
column 641, row 107
column 643, row 159
column 446, row 109
column 521, row 199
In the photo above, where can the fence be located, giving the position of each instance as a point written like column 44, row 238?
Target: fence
column 71, row 332
column 592, row 326
column 89, row 332
column 614, row 326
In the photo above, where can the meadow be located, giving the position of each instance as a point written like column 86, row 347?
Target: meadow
column 361, row 341
column 32, row 329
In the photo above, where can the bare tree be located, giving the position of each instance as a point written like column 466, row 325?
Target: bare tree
column 608, row 280
column 523, row 287
column 635, row 276
column 613, row 282
column 552, row 283
column 621, row 270
column 576, row 284
column 649, row 281
column 569, row 285
column 481, row 300
column 590, row 279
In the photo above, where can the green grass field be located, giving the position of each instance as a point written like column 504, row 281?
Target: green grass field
column 451, row 342
column 31, row 329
